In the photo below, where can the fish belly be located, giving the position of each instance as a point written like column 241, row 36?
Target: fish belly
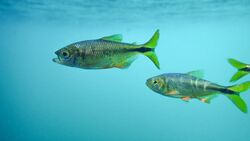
column 103, row 61
column 101, row 54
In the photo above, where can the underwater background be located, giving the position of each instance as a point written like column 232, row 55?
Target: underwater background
column 43, row 101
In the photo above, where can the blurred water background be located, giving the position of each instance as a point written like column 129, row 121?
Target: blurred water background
column 43, row 101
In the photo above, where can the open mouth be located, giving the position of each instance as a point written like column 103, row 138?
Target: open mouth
column 57, row 60
column 148, row 82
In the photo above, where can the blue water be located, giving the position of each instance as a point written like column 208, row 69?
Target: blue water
column 44, row 101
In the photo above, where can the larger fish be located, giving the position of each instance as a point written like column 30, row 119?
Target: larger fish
column 106, row 52
column 190, row 85
column 243, row 69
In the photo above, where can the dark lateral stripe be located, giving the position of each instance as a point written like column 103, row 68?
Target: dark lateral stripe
column 142, row 49
column 228, row 91
column 223, row 90
column 245, row 69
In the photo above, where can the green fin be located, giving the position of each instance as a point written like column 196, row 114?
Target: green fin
column 114, row 38
column 236, row 99
column 241, row 87
column 207, row 99
column 237, row 64
column 239, row 102
column 238, row 75
column 152, row 56
column 152, row 43
column 197, row 73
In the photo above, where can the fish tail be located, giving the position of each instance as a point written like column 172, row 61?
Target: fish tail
column 240, row 87
column 149, row 48
column 239, row 65
column 232, row 92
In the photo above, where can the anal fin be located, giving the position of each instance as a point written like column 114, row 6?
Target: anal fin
column 126, row 63
column 207, row 99
column 186, row 99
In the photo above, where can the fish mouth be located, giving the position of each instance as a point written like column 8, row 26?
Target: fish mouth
column 148, row 83
column 57, row 60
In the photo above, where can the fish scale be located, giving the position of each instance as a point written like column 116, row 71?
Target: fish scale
column 107, row 52
column 190, row 85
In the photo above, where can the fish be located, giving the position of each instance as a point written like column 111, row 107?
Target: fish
column 191, row 85
column 243, row 69
column 106, row 52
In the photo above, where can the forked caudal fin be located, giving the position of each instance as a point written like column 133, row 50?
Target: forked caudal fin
column 151, row 45
column 235, row 98
column 239, row 65
column 239, row 102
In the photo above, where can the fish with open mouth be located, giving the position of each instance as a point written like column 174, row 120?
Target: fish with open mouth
column 106, row 52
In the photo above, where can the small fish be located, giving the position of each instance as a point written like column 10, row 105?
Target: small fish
column 106, row 52
column 243, row 69
column 190, row 85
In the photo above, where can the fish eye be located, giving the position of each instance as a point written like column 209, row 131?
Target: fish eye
column 65, row 54
column 155, row 82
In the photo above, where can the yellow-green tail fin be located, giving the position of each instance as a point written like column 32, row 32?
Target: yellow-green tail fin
column 241, row 87
column 152, row 43
column 238, row 75
column 239, row 65
column 238, row 102
column 236, row 99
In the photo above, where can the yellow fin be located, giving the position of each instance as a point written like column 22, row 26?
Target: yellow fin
column 151, row 44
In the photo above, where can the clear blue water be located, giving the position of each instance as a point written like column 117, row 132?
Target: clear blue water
column 43, row 101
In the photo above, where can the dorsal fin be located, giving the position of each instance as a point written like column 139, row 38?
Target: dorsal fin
column 196, row 73
column 114, row 38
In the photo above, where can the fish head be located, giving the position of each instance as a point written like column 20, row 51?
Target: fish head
column 66, row 56
column 157, row 84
